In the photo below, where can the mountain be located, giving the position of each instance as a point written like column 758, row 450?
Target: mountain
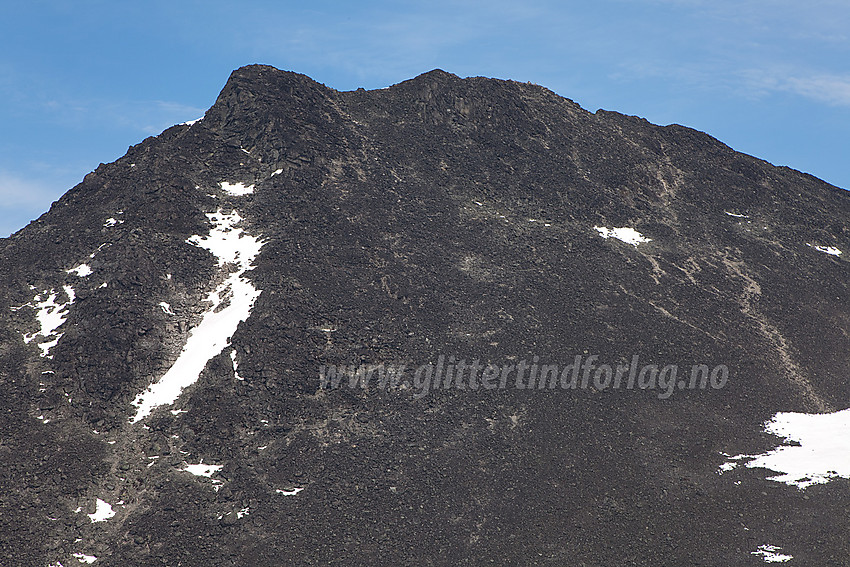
column 585, row 340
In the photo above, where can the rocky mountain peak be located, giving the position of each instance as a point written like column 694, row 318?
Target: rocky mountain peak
column 215, row 349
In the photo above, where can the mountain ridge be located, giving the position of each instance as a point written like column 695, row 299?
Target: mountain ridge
column 438, row 217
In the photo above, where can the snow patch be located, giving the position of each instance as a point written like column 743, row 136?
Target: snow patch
column 230, row 304
column 292, row 492
column 823, row 453
column 202, row 470
column 770, row 555
column 237, row 189
column 190, row 122
column 50, row 316
column 227, row 242
column 102, row 512
column 235, row 365
column 110, row 222
column 81, row 271
column 736, row 215
column 83, row 558
column 46, row 346
column 99, row 248
column 276, row 172
column 626, row 234
column 166, row 308
column 831, row 250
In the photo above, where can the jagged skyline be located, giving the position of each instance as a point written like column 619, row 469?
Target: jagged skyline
column 81, row 83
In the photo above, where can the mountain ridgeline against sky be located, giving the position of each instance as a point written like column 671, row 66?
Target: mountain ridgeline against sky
column 454, row 321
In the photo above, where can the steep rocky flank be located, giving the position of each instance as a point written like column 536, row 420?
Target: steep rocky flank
column 440, row 216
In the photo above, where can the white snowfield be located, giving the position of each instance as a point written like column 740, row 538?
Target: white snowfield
column 770, row 555
column 230, row 304
column 831, row 250
column 235, row 365
column 50, row 316
column 102, row 512
column 626, row 234
column 83, row 270
column 823, row 453
column 237, row 189
column 202, row 470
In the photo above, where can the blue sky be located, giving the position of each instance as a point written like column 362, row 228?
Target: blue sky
column 81, row 81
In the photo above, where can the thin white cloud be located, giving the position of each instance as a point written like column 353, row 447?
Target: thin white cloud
column 19, row 192
column 22, row 200
column 832, row 89
column 162, row 114
column 146, row 116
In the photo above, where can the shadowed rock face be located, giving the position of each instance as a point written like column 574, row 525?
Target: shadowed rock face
column 441, row 216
